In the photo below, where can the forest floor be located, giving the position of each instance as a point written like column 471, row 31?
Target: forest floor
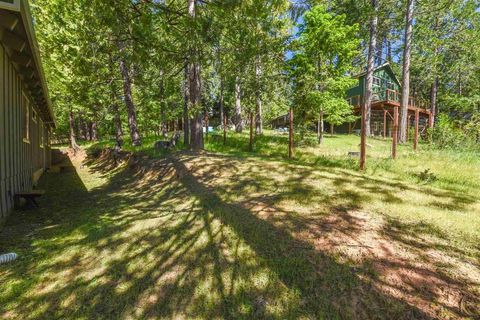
column 232, row 234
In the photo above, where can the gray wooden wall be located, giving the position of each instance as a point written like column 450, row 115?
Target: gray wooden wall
column 18, row 160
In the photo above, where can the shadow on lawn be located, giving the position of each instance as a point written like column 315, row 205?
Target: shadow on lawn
column 160, row 240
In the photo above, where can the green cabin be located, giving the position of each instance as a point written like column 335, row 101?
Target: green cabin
column 384, row 83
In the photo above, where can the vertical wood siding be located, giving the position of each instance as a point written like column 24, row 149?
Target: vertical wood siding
column 18, row 159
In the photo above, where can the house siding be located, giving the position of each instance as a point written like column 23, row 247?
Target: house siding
column 18, row 160
column 384, row 74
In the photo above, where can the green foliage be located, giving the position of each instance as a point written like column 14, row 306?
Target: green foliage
column 449, row 133
column 278, row 62
column 319, row 69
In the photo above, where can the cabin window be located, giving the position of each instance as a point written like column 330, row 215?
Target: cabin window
column 390, row 85
column 26, row 119
column 376, row 81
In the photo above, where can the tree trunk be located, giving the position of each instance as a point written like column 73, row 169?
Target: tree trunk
column 161, row 93
column 88, row 130
column 258, row 99
column 94, row 135
column 225, row 125
column 127, row 90
column 221, row 102
column 186, row 116
column 251, row 132
column 370, row 68
column 290, row 134
column 406, row 71
column 332, row 126
column 433, row 99
column 389, row 51
column 196, row 130
column 118, row 124
column 320, row 128
column 81, row 127
column 238, row 106
column 73, row 138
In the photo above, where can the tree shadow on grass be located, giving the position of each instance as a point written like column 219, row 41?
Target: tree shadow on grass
column 159, row 240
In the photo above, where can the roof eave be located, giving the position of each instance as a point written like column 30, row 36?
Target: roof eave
column 32, row 40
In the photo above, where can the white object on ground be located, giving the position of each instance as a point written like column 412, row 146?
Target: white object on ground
column 9, row 257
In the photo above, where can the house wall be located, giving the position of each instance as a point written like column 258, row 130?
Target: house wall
column 19, row 160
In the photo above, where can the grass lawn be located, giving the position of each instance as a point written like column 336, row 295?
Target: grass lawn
column 232, row 234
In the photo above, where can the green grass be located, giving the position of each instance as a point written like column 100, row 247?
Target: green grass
column 234, row 234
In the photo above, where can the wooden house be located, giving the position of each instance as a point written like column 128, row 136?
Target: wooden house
column 386, row 103
column 26, row 118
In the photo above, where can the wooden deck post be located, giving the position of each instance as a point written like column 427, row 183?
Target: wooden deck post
column 225, row 130
column 251, row 131
column 415, row 138
column 384, row 124
column 408, row 126
column 395, row 133
column 290, row 142
column 363, row 139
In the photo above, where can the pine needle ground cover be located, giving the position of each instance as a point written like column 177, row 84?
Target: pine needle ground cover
column 232, row 234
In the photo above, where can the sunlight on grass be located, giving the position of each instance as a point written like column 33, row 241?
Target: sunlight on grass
column 236, row 234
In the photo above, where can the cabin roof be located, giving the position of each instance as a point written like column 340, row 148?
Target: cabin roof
column 388, row 69
column 17, row 35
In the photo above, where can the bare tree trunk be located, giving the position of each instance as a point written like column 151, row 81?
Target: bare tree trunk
column 82, row 127
column 258, row 99
column 370, row 68
column 238, row 106
column 186, row 117
column 94, row 127
column 320, row 128
column 290, row 134
column 196, row 130
column 433, row 99
column 73, row 138
column 389, row 51
column 221, row 102
column 406, row 71
column 161, row 93
column 251, row 132
column 127, row 90
column 332, row 126
column 88, row 130
column 118, row 124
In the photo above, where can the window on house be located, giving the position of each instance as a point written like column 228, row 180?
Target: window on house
column 26, row 119
column 390, row 85
column 376, row 81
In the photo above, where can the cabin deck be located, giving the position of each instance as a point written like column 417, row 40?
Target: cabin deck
column 385, row 113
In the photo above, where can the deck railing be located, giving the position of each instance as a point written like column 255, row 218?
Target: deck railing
column 389, row 95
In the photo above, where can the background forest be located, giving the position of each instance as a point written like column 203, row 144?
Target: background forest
column 139, row 68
